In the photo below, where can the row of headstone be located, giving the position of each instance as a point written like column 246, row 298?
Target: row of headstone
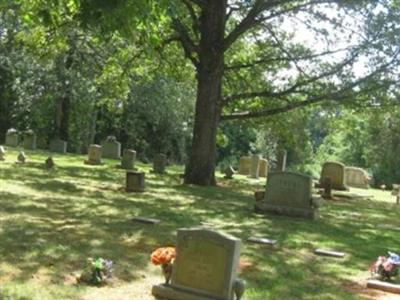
column 341, row 176
column 95, row 154
column 254, row 166
column 28, row 139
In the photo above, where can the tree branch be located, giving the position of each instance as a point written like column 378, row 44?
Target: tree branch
column 188, row 45
column 193, row 15
column 338, row 95
column 294, row 88
column 260, row 6
column 284, row 59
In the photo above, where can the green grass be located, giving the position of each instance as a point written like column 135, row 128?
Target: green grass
column 52, row 221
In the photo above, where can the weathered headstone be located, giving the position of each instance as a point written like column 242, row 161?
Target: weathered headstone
column 2, row 153
column 128, row 159
column 281, row 160
column 94, row 155
column 263, row 172
column 356, row 177
column 229, row 172
column 244, row 165
column 12, row 137
column 135, row 181
column 255, row 166
column 111, row 148
column 289, row 194
column 29, row 140
column 49, row 163
column 159, row 163
column 21, row 157
column 57, row 145
column 205, row 267
column 335, row 171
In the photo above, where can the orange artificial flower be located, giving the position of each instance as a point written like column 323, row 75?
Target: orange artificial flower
column 163, row 255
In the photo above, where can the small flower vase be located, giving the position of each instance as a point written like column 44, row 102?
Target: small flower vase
column 167, row 272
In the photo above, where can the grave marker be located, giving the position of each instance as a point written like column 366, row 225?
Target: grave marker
column 57, row 145
column 329, row 253
column 49, row 163
column 356, row 177
column 384, row 286
column 244, row 165
column 128, row 159
column 29, row 140
column 281, row 160
column 263, row 172
column 111, row 148
column 255, row 166
column 2, row 153
column 205, row 267
column 21, row 157
column 259, row 240
column 135, row 181
column 396, row 192
column 12, row 137
column 94, row 155
column 335, row 171
column 229, row 172
column 290, row 194
column 146, row 220
column 159, row 163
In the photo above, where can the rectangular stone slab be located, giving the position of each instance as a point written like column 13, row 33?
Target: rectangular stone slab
column 329, row 253
column 383, row 286
column 259, row 240
column 146, row 220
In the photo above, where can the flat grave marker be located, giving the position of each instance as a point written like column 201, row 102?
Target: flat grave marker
column 383, row 286
column 332, row 253
column 259, row 240
column 146, row 220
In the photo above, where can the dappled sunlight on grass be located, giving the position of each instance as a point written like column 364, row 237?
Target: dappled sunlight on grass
column 52, row 221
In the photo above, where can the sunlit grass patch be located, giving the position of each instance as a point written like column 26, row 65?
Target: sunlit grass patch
column 52, row 221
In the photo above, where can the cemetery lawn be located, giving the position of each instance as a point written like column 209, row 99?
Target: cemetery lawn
column 52, row 221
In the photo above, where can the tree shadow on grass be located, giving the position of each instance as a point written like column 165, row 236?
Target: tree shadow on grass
column 60, row 231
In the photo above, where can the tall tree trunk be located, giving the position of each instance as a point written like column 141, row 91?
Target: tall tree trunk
column 63, row 103
column 201, row 166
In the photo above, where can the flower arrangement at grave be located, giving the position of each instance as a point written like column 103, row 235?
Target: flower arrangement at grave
column 386, row 267
column 97, row 271
column 165, row 257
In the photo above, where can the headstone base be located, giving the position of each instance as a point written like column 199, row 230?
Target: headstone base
column 263, row 208
column 168, row 292
column 93, row 162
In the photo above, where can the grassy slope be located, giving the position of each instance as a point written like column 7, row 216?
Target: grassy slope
column 52, row 221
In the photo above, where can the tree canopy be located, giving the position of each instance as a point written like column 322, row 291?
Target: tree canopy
column 248, row 60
